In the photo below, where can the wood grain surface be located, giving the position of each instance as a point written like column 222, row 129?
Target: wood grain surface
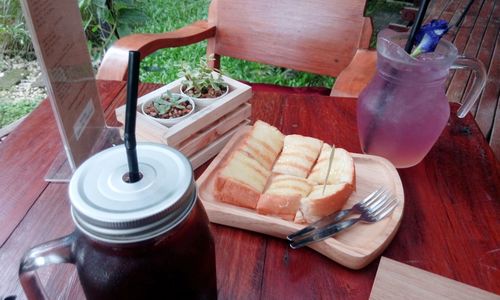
column 319, row 37
column 396, row 281
column 450, row 225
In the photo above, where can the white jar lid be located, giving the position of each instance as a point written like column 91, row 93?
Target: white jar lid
column 106, row 207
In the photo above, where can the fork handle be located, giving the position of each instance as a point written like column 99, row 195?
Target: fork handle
column 342, row 214
column 324, row 233
column 333, row 218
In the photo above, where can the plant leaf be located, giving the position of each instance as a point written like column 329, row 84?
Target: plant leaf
column 131, row 16
column 123, row 29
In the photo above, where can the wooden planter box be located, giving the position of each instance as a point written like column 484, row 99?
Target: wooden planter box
column 202, row 135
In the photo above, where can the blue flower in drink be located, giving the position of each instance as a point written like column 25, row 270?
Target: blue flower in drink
column 429, row 35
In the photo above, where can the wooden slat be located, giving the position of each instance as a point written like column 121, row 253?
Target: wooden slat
column 314, row 36
column 459, row 38
column 486, row 116
column 492, row 91
column 204, row 137
column 484, row 33
column 452, row 10
column 467, row 42
column 436, row 8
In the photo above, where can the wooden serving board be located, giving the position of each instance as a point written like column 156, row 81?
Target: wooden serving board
column 354, row 248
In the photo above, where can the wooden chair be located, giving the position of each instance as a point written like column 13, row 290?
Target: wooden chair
column 327, row 37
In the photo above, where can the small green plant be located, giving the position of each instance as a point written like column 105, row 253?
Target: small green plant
column 201, row 82
column 167, row 101
column 168, row 106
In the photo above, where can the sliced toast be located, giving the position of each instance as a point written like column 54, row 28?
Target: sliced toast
column 263, row 143
column 241, row 180
column 342, row 170
column 282, row 197
column 298, row 155
column 318, row 205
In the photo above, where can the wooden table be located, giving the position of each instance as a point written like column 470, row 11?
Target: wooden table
column 450, row 224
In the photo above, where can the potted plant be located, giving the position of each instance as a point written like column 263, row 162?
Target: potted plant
column 169, row 108
column 203, row 84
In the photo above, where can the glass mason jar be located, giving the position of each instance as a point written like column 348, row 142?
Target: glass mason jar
column 144, row 240
column 404, row 109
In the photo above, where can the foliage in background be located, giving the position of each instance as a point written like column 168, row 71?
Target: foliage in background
column 9, row 112
column 14, row 37
column 384, row 7
column 106, row 20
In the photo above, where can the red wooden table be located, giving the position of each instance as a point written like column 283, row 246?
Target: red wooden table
column 450, row 225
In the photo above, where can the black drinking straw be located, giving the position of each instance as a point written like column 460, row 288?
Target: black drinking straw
column 131, row 110
column 416, row 26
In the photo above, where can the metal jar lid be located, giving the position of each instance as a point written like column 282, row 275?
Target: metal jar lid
column 107, row 208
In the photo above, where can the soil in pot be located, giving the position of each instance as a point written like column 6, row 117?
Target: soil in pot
column 206, row 92
column 179, row 110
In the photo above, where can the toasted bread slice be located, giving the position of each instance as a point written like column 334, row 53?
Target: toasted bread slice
column 263, row 143
column 318, row 205
column 298, row 155
column 342, row 170
column 282, row 197
column 241, row 180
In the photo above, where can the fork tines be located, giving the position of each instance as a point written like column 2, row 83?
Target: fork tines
column 378, row 205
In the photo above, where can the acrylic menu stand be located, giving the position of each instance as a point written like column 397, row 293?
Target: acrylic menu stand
column 60, row 45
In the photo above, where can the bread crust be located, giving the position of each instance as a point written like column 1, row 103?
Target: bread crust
column 234, row 192
column 281, row 206
column 312, row 210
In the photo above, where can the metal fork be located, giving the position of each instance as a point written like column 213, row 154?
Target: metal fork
column 373, row 213
column 373, row 198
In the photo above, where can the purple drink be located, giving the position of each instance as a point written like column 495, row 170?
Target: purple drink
column 404, row 109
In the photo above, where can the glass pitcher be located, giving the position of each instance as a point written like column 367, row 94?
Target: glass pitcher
column 404, row 109
column 144, row 240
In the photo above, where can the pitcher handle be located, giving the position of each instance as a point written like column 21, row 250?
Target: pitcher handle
column 479, row 72
column 53, row 252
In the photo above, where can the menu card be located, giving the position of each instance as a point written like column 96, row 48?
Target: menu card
column 60, row 45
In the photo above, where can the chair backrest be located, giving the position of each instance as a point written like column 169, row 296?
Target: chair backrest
column 316, row 36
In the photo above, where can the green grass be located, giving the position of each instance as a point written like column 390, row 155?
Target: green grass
column 9, row 112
